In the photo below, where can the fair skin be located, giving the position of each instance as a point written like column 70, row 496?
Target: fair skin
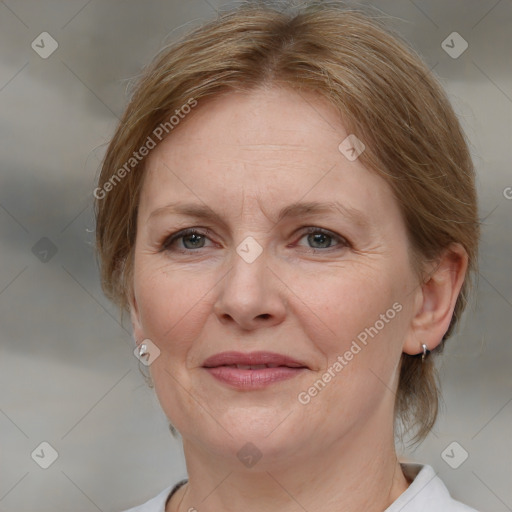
column 246, row 156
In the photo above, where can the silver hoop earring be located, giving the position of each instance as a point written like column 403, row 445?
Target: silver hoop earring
column 425, row 352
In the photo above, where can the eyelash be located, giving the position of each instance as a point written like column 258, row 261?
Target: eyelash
column 169, row 240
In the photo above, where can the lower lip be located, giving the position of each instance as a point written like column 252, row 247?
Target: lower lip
column 253, row 379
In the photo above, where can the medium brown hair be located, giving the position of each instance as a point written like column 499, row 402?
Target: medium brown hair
column 385, row 95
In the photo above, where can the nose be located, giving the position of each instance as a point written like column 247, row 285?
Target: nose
column 251, row 295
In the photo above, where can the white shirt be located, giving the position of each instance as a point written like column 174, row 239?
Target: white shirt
column 426, row 493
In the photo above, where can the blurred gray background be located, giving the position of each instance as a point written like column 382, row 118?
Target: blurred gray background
column 68, row 376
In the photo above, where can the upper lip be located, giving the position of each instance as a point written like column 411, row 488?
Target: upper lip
column 252, row 358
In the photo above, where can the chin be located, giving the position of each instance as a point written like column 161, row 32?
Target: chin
column 272, row 437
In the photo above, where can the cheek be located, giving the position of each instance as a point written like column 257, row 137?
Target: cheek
column 344, row 305
column 170, row 303
column 357, row 321
column 360, row 338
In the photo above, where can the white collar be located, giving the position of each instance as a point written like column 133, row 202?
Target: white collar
column 426, row 493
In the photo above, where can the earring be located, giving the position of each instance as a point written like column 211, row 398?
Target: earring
column 143, row 350
column 426, row 351
column 143, row 353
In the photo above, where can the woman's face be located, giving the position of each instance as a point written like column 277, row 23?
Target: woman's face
column 331, row 287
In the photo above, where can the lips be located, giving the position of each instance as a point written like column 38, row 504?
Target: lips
column 253, row 371
column 252, row 360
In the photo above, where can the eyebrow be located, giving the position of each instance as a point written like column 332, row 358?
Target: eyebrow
column 294, row 210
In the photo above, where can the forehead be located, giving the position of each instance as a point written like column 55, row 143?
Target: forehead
column 265, row 119
column 264, row 148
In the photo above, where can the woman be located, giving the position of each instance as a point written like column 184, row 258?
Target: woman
column 288, row 211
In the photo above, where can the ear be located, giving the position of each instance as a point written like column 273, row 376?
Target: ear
column 138, row 332
column 435, row 300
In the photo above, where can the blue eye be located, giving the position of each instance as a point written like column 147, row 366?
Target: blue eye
column 193, row 239
column 323, row 238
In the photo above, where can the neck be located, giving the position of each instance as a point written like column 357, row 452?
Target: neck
column 360, row 473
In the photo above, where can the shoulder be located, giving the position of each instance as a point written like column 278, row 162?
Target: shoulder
column 427, row 493
column 157, row 504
